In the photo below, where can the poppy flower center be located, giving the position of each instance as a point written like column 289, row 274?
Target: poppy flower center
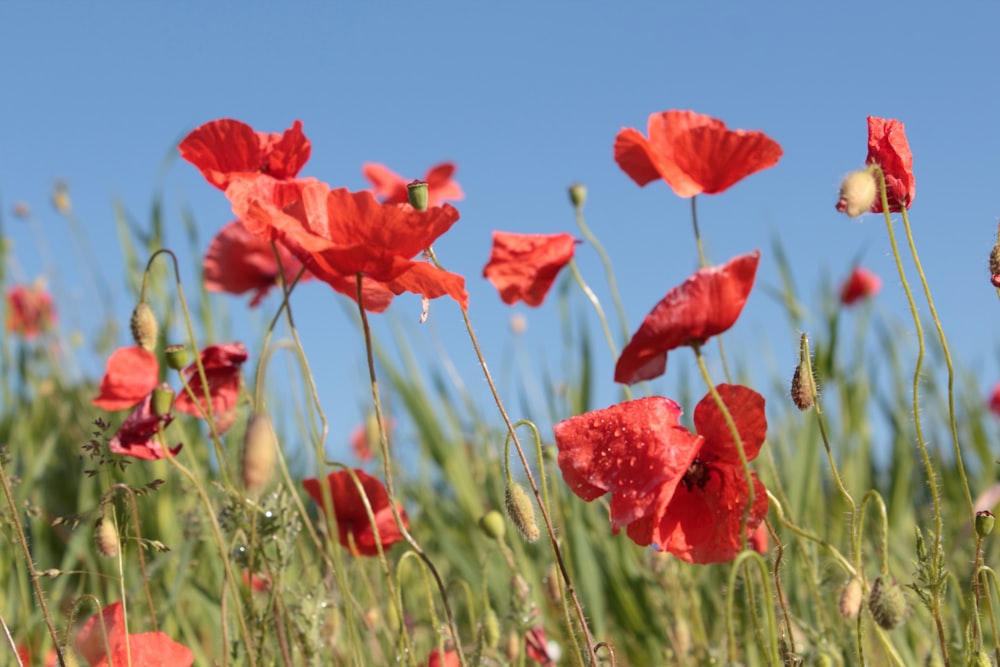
column 696, row 475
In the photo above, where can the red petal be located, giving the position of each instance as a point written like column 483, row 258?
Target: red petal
column 702, row 524
column 137, row 437
column 150, row 649
column 352, row 517
column 387, row 185
column 861, row 284
column 747, row 410
column 636, row 450
column 523, row 266
column 90, row 637
column 632, row 154
column 705, row 305
column 284, row 154
column 426, row 279
column 441, row 187
column 222, row 370
column 889, row 148
column 131, row 374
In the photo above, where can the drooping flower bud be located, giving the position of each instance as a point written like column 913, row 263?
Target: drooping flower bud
column 106, row 537
column 144, row 327
column 416, row 191
column 577, row 194
column 492, row 525
column 163, row 399
column 887, row 603
column 851, row 598
column 259, row 453
column 521, row 511
column 177, row 356
column 857, row 193
column 984, row 523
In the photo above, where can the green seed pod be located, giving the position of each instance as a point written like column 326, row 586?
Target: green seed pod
column 416, row 191
column 521, row 511
column 887, row 603
column 177, row 356
column 577, row 194
column 163, row 399
column 144, row 327
column 984, row 523
column 493, row 525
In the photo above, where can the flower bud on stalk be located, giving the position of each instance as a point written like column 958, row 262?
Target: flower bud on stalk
column 163, row 399
column 144, row 327
column 984, row 523
column 887, row 602
column 492, row 525
column 416, row 191
column 259, row 453
column 802, row 390
column 851, row 598
column 521, row 511
column 177, row 356
column 857, row 193
column 577, row 194
column 106, row 537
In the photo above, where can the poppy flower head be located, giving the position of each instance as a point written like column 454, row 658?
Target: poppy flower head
column 29, row 311
column 238, row 262
column 222, row 370
column 693, row 153
column 138, row 436
column 889, row 148
column 222, row 148
column 862, row 284
column 150, row 649
column 339, row 234
column 523, row 266
column 390, row 187
column 705, row 305
column 353, row 526
column 130, row 375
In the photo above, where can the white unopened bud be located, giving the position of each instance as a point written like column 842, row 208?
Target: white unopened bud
column 857, row 193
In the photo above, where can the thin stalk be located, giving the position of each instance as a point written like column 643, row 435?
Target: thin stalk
column 616, row 297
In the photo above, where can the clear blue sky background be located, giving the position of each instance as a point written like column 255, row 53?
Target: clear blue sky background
column 526, row 98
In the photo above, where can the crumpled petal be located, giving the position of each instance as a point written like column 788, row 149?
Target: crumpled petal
column 523, row 267
column 889, row 148
column 137, row 436
column 222, row 370
column 131, row 374
column 390, row 187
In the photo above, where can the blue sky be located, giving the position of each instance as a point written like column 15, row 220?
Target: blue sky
column 526, row 98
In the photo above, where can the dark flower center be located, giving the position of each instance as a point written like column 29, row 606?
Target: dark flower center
column 696, row 475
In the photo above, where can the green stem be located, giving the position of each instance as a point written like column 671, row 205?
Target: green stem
column 608, row 270
column 627, row 391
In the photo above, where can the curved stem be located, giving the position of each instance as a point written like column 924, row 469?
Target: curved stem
column 608, row 271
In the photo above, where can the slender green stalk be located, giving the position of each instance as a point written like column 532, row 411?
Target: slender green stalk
column 703, row 263
column 616, row 297
column 744, row 558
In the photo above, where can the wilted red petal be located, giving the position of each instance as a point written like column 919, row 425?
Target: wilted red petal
column 130, row 375
column 861, row 284
column 637, row 451
column 225, row 147
column 705, row 305
column 523, row 266
column 29, row 311
column 759, row 539
column 222, row 370
column 746, row 407
column 150, row 649
column 889, row 148
column 693, row 153
column 238, row 261
column 137, row 436
column 536, row 646
column 349, row 508
column 391, row 188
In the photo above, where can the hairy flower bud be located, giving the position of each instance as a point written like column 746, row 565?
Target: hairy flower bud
column 259, row 453
column 106, row 537
column 851, row 598
column 857, row 193
column 887, row 602
column 802, row 388
column 144, row 327
column 521, row 511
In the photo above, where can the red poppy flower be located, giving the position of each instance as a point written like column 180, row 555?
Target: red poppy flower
column 149, row 649
column 537, row 647
column 225, row 147
column 705, row 305
column 888, row 148
column 339, row 234
column 684, row 492
column 24, row 653
column 354, row 528
column 137, row 436
column 995, row 400
column 523, row 266
column 258, row 583
column 693, row 153
column 222, row 370
column 29, row 311
column 130, row 375
column 437, row 658
column 390, row 187
column 861, row 284
column 238, row 262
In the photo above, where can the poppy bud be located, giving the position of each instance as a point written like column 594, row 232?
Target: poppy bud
column 851, row 598
column 491, row 628
column 144, row 327
column 802, row 390
column 857, row 193
column 259, row 453
column 980, row 659
column 163, row 399
column 106, row 537
column 521, row 511
column 577, row 194
column 552, row 588
column 995, row 265
column 416, row 191
column 984, row 523
column 887, row 602
column 177, row 356
column 492, row 524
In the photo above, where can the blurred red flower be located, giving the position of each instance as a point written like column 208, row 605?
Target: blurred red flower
column 995, row 400
column 149, row 649
column 238, row 262
column 523, row 266
column 390, row 187
column 888, row 148
column 759, row 540
column 222, row 370
column 437, row 658
column 137, row 436
column 339, row 234
column 861, row 284
column 693, row 153
column 537, row 647
column 29, row 311
column 258, row 583
column 130, row 375
column 24, row 653
column 683, row 492
column 354, row 528
column 705, row 305
column 225, row 147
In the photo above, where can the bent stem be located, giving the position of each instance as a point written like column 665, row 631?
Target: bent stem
column 743, row 559
column 546, row 517
column 383, row 438
column 608, row 270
